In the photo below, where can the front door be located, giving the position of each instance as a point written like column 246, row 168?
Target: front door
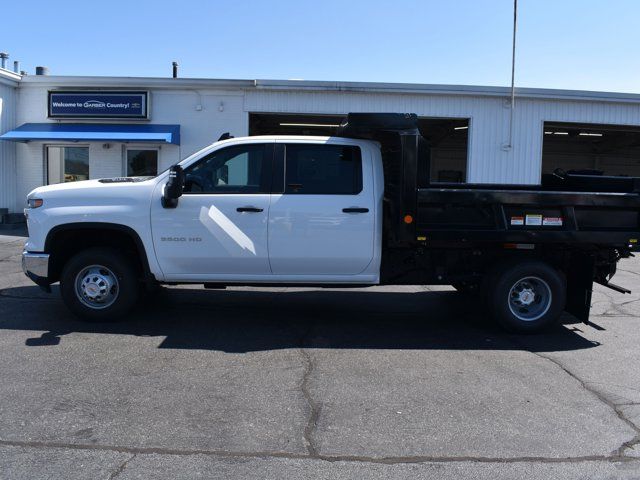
column 324, row 222
column 219, row 228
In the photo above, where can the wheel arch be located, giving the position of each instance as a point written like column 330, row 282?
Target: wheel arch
column 63, row 241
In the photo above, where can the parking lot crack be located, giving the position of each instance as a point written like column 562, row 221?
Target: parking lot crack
column 314, row 408
column 140, row 451
column 122, row 466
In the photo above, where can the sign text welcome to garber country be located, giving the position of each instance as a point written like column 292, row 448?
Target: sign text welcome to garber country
column 98, row 104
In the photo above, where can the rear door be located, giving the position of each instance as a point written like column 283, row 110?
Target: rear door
column 323, row 221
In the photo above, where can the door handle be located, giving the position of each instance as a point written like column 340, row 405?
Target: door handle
column 355, row 210
column 249, row 209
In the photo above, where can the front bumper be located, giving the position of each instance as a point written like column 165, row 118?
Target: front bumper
column 36, row 267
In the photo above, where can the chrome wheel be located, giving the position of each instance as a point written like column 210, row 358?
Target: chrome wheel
column 96, row 287
column 529, row 298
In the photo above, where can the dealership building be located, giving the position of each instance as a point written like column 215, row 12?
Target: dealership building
column 68, row 128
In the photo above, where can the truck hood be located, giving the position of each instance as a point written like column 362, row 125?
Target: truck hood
column 88, row 187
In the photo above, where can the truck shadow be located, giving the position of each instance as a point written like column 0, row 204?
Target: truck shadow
column 255, row 320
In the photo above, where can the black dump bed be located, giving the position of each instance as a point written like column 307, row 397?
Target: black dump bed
column 525, row 215
column 565, row 209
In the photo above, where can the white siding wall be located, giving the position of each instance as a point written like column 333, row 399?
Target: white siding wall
column 30, row 172
column 199, row 128
column 7, row 149
column 488, row 162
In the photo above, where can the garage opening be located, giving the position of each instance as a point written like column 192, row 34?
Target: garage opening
column 591, row 149
column 448, row 137
column 449, row 141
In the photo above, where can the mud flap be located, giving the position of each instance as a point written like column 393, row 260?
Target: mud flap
column 580, row 286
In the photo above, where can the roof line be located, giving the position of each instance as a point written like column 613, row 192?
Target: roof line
column 7, row 77
column 157, row 82
column 473, row 90
column 321, row 85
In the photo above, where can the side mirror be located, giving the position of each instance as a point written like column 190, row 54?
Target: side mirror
column 173, row 188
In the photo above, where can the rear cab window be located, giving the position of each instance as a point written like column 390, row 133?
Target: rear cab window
column 320, row 169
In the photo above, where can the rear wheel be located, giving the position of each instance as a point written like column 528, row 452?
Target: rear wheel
column 99, row 284
column 527, row 297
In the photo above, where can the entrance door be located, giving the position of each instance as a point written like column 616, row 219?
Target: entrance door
column 141, row 162
column 324, row 222
column 219, row 228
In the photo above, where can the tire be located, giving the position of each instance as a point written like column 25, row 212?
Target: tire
column 99, row 285
column 527, row 297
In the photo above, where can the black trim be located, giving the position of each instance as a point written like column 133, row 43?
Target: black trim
column 148, row 276
column 42, row 282
column 277, row 182
column 355, row 210
column 222, row 285
column 249, row 209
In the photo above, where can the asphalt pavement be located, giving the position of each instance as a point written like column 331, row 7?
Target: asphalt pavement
column 393, row 382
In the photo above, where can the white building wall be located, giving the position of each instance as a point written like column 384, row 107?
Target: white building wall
column 8, row 93
column 30, row 168
column 488, row 159
column 199, row 128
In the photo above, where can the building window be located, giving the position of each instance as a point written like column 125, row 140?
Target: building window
column 67, row 164
column 142, row 163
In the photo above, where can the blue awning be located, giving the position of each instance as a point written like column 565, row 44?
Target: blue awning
column 83, row 132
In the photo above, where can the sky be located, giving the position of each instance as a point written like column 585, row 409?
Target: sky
column 566, row 44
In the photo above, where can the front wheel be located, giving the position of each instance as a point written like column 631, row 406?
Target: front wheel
column 99, row 284
column 527, row 297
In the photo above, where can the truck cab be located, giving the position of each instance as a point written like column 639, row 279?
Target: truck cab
column 274, row 209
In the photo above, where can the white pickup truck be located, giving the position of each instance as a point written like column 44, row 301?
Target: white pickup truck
column 319, row 211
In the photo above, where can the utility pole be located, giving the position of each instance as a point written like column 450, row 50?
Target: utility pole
column 509, row 146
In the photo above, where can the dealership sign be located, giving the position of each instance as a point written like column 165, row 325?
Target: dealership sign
column 98, row 104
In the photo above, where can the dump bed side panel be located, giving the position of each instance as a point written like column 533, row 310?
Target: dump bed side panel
column 525, row 216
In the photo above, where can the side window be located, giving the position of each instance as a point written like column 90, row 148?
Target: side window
column 237, row 169
column 323, row 169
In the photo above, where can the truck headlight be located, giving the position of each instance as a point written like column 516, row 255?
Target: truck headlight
column 35, row 202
